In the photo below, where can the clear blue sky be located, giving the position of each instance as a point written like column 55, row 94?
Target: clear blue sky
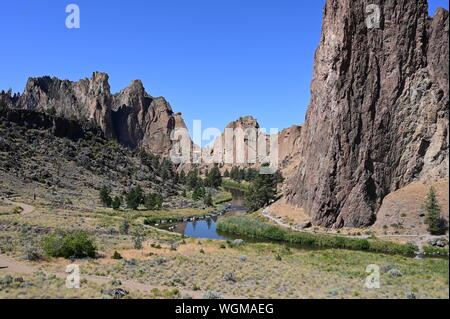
column 213, row 60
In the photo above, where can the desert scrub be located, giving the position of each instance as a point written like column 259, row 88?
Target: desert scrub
column 435, row 251
column 17, row 210
column 212, row 295
column 76, row 244
column 232, row 184
column 222, row 197
column 243, row 225
column 152, row 217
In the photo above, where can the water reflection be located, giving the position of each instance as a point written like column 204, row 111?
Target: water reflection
column 206, row 228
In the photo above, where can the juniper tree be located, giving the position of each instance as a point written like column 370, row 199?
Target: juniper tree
column 104, row 196
column 134, row 198
column 208, row 199
column 436, row 225
column 116, row 203
column 262, row 190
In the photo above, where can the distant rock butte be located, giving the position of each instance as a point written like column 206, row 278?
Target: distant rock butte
column 253, row 139
column 378, row 116
column 132, row 116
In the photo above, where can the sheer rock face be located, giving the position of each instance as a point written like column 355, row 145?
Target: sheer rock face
column 143, row 121
column 246, row 130
column 378, row 117
column 289, row 141
column 132, row 116
column 85, row 99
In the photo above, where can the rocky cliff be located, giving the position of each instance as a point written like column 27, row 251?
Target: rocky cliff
column 378, row 116
column 132, row 116
column 250, row 144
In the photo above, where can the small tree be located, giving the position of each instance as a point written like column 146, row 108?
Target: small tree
column 153, row 201
column 213, row 177
column 199, row 193
column 208, row 199
column 116, row 255
column 124, row 227
column 104, row 196
column 116, row 203
column 262, row 190
column 138, row 237
column 3, row 105
column 436, row 224
column 182, row 177
column 134, row 198
column 51, row 111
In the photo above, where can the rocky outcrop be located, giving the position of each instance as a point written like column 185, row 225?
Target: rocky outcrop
column 243, row 142
column 289, row 142
column 132, row 116
column 378, row 116
column 58, row 126
column 143, row 121
column 87, row 99
column 253, row 138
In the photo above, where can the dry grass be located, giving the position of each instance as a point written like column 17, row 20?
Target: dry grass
column 288, row 212
column 399, row 213
column 171, row 261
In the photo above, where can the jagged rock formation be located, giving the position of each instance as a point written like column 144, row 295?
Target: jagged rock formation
column 247, row 143
column 378, row 117
column 132, row 116
column 59, row 126
column 251, row 142
column 289, row 142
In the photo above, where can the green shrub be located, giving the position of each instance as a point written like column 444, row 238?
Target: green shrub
column 138, row 238
column 17, row 210
column 116, row 255
column 105, row 198
column 244, row 225
column 124, row 227
column 212, row 295
column 32, row 253
column 134, row 198
column 230, row 276
column 153, row 201
column 116, row 203
column 435, row 251
column 76, row 244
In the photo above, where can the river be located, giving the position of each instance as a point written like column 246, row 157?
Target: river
column 206, row 228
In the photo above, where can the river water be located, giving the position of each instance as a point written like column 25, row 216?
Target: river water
column 206, row 228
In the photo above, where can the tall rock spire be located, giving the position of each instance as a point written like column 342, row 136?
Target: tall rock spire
column 378, row 116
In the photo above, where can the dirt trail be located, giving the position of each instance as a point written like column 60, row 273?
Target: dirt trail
column 267, row 214
column 27, row 209
column 9, row 265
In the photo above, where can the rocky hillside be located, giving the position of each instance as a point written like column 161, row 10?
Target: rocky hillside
column 132, row 116
column 378, row 116
column 51, row 157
